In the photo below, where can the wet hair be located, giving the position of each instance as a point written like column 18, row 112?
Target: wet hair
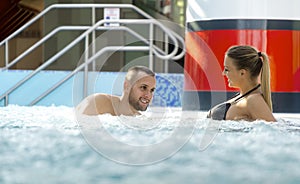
column 248, row 58
column 135, row 70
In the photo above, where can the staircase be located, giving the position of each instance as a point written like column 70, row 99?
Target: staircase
column 27, row 82
column 13, row 16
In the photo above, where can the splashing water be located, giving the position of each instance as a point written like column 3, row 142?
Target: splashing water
column 49, row 145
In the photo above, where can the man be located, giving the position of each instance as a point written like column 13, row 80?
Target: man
column 138, row 89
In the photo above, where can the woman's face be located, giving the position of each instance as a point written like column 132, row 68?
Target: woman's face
column 230, row 71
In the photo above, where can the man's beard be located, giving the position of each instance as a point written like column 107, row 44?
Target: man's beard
column 135, row 104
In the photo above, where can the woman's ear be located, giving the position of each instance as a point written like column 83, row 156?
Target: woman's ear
column 243, row 72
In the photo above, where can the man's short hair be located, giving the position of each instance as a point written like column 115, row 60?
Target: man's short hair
column 135, row 70
column 144, row 69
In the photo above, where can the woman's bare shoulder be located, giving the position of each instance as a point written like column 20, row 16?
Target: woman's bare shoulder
column 254, row 99
column 258, row 108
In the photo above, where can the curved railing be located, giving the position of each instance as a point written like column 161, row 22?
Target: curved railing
column 153, row 50
column 80, row 6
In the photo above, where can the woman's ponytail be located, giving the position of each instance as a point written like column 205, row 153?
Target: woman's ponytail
column 265, row 80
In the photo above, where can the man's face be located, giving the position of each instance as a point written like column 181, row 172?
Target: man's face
column 142, row 92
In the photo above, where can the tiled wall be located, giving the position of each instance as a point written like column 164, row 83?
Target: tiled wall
column 169, row 88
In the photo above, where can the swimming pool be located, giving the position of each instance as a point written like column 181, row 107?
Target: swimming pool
column 42, row 144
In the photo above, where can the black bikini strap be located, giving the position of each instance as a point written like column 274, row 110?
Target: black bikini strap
column 250, row 91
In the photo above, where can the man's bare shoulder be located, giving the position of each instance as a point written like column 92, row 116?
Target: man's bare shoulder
column 101, row 98
column 97, row 103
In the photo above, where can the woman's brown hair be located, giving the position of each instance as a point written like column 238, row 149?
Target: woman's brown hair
column 248, row 58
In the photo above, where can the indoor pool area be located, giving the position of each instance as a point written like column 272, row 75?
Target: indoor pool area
column 149, row 92
column 49, row 144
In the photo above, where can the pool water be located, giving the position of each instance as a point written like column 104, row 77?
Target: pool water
column 51, row 145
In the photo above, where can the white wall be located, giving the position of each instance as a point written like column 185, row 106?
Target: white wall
column 223, row 9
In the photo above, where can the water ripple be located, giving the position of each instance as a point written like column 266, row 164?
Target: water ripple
column 44, row 144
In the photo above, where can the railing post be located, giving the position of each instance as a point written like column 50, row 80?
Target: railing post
column 86, row 66
column 93, row 36
column 166, row 61
column 6, row 53
column 6, row 100
column 151, row 46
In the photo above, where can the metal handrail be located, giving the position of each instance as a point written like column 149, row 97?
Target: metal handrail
column 152, row 48
column 78, row 28
column 69, row 6
column 78, row 39
column 89, row 61
column 73, row 43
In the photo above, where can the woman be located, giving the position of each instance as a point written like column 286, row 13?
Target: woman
column 243, row 67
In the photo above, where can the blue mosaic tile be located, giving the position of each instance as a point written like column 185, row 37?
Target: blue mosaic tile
column 169, row 90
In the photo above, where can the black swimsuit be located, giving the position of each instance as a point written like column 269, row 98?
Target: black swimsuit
column 219, row 112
